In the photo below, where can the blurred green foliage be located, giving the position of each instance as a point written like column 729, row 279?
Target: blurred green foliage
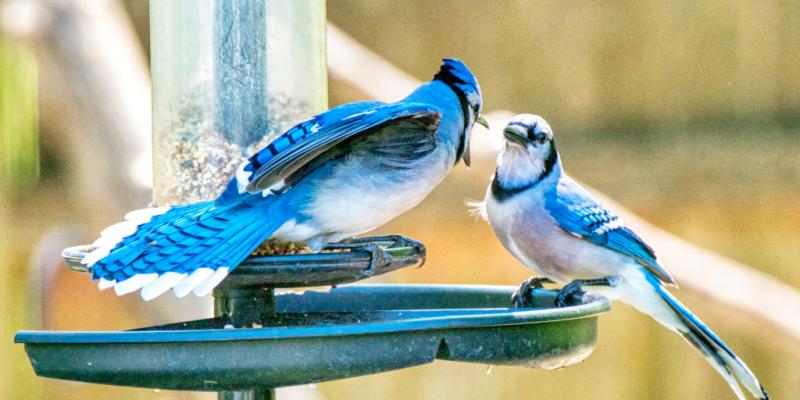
column 19, row 136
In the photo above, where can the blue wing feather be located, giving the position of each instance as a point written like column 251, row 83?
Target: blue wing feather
column 297, row 133
column 302, row 143
column 578, row 213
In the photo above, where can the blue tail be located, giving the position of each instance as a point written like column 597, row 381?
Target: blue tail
column 187, row 248
column 716, row 352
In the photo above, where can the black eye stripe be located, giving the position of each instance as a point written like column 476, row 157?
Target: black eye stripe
column 533, row 135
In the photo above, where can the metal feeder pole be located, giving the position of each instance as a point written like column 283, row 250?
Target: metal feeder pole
column 240, row 91
column 245, row 308
column 240, row 86
column 268, row 394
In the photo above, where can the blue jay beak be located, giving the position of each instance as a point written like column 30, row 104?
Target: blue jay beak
column 482, row 121
column 516, row 135
column 467, row 159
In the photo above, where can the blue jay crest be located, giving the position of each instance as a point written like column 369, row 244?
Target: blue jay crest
column 454, row 72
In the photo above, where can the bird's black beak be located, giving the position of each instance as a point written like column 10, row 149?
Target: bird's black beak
column 482, row 121
column 516, row 134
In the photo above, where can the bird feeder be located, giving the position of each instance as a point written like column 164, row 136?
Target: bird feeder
column 228, row 77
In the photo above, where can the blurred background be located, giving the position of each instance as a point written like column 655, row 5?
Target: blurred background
column 686, row 113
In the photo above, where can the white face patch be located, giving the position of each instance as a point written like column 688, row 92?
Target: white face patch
column 518, row 166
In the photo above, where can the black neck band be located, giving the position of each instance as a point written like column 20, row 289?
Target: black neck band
column 502, row 193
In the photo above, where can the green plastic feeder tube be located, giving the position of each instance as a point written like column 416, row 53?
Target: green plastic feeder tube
column 228, row 77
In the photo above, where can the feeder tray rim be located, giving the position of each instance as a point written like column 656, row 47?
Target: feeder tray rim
column 593, row 305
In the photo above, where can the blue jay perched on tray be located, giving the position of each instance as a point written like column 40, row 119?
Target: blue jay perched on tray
column 338, row 174
column 556, row 228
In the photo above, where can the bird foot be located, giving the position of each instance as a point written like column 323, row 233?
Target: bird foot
column 401, row 241
column 522, row 297
column 378, row 256
column 384, row 241
column 572, row 293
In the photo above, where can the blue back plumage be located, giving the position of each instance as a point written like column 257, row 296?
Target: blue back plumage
column 577, row 212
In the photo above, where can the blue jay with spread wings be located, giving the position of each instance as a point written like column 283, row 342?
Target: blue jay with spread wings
column 556, row 228
column 338, row 174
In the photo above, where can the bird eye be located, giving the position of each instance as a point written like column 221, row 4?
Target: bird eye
column 542, row 139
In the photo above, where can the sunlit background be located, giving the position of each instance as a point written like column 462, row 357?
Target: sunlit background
column 687, row 113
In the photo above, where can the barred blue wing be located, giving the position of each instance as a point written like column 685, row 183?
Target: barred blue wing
column 307, row 140
column 578, row 213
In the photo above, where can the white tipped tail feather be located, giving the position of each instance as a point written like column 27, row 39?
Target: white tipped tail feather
column 144, row 215
column 212, row 281
column 134, row 283
column 106, row 284
column 114, row 234
column 200, row 282
column 164, row 283
column 192, row 281
column 190, row 248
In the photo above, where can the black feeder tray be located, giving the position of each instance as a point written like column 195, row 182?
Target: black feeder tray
column 259, row 340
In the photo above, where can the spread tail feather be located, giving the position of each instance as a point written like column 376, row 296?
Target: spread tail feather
column 645, row 292
column 184, row 248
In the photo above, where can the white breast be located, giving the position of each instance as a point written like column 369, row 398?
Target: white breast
column 529, row 232
column 351, row 203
